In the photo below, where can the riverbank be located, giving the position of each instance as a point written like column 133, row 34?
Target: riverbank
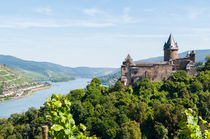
column 27, row 94
column 38, row 98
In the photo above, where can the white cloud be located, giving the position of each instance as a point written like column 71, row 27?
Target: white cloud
column 193, row 13
column 140, row 36
column 152, row 35
column 92, row 11
column 126, row 18
column 44, row 10
column 50, row 24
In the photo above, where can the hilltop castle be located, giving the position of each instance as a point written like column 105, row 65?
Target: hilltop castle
column 131, row 71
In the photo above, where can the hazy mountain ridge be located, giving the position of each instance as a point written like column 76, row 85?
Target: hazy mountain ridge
column 200, row 56
column 50, row 71
column 112, row 78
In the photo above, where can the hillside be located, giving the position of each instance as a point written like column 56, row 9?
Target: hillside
column 200, row 56
column 112, row 78
column 12, row 84
column 50, row 71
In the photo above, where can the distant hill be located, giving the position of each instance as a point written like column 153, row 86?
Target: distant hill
column 200, row 56
column 112, row 78
column 8, row 75
column 50, row 71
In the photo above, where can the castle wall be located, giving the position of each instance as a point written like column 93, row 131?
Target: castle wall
column 180, row 64
column 154, row 72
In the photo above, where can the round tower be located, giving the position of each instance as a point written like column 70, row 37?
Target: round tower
column 170, row 49
column 192, row 56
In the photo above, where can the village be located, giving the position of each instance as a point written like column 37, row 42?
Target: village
column 18, row 90
column 13, row 85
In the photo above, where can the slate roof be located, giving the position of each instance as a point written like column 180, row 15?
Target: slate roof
column 170, row 44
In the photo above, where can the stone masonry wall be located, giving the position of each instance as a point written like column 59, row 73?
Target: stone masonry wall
column 154, row 73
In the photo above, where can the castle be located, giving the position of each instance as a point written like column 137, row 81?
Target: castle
column 131, row 71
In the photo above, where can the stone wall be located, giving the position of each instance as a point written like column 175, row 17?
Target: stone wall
column 155, row 72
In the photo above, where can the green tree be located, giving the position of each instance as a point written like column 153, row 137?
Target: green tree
column 189, row 126
column 196, row 87
column 63, row 124
column 180, row 76
column 130, row 130
column 119, row 86
column 161, row 130
column 1, row 91
column 207, row 64
column 76, row 94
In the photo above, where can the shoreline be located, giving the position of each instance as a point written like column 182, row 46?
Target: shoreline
column 29, row 93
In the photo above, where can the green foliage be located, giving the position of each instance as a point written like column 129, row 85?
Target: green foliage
column 148, row 110
column 189, row 126
column 206, row 66
column 63, row 124
column 1, row 91
column 77, row 94
column 156, row 106
column 130, row 130
column 161, row 130
column 204, row 78
column 180, row 76
column 25, row 125
column 119, row 86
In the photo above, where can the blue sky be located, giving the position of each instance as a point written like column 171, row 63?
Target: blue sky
column 100, row 33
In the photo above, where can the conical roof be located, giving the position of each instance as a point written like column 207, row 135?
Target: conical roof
column 129, row 59
column 171, row 44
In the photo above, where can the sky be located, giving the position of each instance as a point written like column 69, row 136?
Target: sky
column 100, row 33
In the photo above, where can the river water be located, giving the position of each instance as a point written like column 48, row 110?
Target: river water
column 39, row 97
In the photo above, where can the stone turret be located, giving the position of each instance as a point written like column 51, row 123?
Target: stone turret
column 125, row 70
column 170, row 49
column 128, row 60
column 192, row 56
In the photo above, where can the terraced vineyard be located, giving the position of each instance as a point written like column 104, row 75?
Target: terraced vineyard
column 14, row 85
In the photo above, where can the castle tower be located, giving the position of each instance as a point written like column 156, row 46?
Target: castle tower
column 129, row 60
column 125, row 76
column 170, row 49
column 192, row 56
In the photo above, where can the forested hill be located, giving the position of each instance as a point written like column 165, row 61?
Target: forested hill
column 50, row 71
column 177, row 108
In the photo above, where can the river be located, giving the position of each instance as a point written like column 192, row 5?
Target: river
column 38, row 98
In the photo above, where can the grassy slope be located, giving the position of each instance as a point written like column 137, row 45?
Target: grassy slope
column 10, row 76
column 50, row 71
column 51, row 75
